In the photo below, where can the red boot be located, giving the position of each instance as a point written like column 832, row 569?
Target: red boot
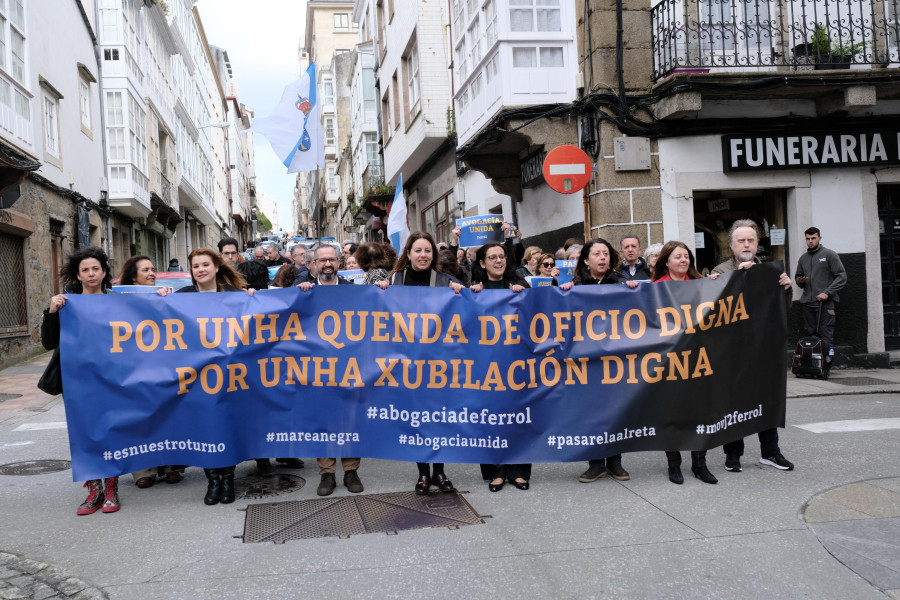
column 111, row 491
column 94, row 498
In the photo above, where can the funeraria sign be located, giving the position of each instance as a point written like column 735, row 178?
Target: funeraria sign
column 753, row 152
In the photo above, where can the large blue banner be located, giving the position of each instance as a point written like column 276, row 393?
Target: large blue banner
column 421, row 374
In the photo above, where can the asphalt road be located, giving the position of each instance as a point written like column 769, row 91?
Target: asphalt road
column 828, row 529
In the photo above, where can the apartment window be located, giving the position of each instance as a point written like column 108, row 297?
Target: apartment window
column 84, row 103
column 459, row 11
column 463, row 100
column 51, row 124
column 328, row 90
column 475, row 41
column 490, row 69
column 386, row 115
column 490, row 21
column 435, row 218
column 341, row 22
column 462, row 57
column 111, row 54
column 329, row 131
column 524, row 58
column 115, row 126
column 137, row 135
column 372, row 157
column 382, row 25
column 476, row 86
column 551, row 57
column 412, row 80
column 340, row 51
column 395, row 87
column 3, row 45
column 534, row 15
column 17, row 60
column 332, row 181
column 368, row 88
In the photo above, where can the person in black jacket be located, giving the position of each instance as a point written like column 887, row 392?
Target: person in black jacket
column 210, row 273
column 418, row 266
column 86, row 272
column 597, row 265
column 493, row 270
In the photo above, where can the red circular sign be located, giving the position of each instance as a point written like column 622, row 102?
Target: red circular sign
column 567, row 169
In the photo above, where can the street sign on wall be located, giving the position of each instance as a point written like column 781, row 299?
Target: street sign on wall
column 567, row 169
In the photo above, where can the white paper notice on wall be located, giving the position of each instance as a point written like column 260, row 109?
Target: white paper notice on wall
column 776, row 236
column 698, row 240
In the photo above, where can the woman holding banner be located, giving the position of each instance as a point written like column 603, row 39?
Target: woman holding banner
column 676, row 263
column 86, row 272
column 597, row 264
column 210, row 273
column 139, row 270
column 418, row 266
column 494, row 271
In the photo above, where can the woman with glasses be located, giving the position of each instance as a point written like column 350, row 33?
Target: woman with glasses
column 493, row 271
column 418, row 266
column 139, row 270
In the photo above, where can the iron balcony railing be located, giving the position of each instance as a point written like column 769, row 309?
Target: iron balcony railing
column 737, row 35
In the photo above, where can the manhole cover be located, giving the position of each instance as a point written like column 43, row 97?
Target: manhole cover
column 854, row 381
column 9, row 397
column 35, row 467
column 281, row 521
column 255, row 487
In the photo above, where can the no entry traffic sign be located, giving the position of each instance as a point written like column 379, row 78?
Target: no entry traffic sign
column 567, row 169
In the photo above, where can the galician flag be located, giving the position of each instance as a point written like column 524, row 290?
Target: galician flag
column 397, row 228
column 294, row 129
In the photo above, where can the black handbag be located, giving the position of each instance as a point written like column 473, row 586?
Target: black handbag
column 51, row 381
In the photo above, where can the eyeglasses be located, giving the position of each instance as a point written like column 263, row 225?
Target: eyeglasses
column 326, row 260
column 495, row 258
column 548, row 265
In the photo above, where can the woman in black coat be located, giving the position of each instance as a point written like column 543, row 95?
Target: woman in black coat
column 493, row 270
column 86, row 272
column 418, row 266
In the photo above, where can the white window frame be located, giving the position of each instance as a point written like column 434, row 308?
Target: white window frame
column 327, row 84
column 412, row 80
column 330, row 137
column 342, row 21
column 50, row 117
column 84, row 104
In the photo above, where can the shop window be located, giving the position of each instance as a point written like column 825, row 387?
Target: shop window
column 13, row 310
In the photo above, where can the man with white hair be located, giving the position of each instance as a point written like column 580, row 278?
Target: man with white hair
column 744, row 241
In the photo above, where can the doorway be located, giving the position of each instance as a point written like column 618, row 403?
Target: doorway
column 889, row 238
column 716, row 210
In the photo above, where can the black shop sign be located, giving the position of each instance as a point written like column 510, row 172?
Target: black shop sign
column 808, row 150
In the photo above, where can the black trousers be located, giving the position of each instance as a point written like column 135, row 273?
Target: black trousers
column 609, row 460
column 509, row 472
column 768, row 444
column 826, row 326
column 438, row 469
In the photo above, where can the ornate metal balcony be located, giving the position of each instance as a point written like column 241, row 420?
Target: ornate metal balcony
column 739, row 35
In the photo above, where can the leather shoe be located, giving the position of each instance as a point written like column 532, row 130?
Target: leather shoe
column 352, row 482
column 440, row 480
column 145, row 482
column 264, row 467
column 291, row 463
column 172, row 477
column 521, row 485
column 422, row 485
column 326, row 485
column 496, row 487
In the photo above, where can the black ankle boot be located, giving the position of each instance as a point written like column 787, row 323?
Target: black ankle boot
column 214, row 489
column 227, row 496
column 699, row 469
column 675, row 475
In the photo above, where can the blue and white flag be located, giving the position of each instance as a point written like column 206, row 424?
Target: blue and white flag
column 294, row 129
column 397, row 228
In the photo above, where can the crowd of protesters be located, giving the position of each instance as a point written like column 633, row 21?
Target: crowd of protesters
column 421, row 262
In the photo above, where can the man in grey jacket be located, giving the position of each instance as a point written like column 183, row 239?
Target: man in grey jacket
column 821, row 275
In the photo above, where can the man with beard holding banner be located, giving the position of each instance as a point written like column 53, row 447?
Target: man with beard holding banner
column 326, row 260
column 743, row 237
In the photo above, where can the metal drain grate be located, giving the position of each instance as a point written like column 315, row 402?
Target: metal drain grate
column 857, row 381
column 281, row 521
column 35, row 467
